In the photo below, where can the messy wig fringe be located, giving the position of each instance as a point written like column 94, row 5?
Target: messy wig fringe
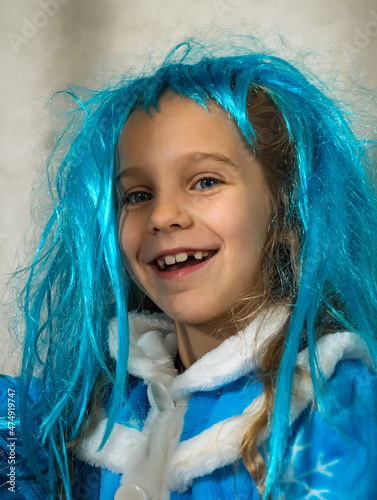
column 322, row 252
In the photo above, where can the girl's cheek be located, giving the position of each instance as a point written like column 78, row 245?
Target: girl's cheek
column 127, row 245
column 127, row 262
column 122, row 233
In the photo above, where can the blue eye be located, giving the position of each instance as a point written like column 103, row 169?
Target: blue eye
column 207, row 183
column 136, row 198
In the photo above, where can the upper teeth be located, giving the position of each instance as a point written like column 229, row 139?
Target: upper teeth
column 169, row 260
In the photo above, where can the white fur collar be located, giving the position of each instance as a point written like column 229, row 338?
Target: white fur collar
column 153, row 346
column 154, row 458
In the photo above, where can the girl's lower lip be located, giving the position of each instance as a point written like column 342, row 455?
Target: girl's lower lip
column 180, row 273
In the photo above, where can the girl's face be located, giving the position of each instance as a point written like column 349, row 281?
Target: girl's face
column 195, row 209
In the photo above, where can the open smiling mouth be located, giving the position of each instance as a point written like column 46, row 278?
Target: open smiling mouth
column 181, row 260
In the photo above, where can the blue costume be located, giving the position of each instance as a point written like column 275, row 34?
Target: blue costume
column 186, row 440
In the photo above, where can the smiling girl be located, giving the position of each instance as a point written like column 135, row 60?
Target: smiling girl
column 225, row 203
column 195, row 215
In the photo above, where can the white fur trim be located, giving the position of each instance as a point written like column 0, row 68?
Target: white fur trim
column 335, row 347
column 141, row 456
column 331, row 349
column 215, row 447
column 153, row 345
column 220, row 445
column 235, row 357
column 154, row 458
column 112, row 456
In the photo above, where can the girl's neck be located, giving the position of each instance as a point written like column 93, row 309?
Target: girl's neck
column 195, row 341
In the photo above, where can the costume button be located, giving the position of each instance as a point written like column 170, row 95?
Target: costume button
column 159, row 396
column 130, row 492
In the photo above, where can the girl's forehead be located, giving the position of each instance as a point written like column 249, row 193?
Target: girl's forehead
column 181, row 117
column 180, row 136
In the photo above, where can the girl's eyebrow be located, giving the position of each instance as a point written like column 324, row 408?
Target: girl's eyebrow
column 127, row 172
column 196, row 157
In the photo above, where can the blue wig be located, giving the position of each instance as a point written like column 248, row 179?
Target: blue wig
column 77, row 282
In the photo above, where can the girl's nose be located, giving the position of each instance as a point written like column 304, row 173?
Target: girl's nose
column 168, row 215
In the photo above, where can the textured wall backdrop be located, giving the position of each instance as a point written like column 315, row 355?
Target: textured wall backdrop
column 46, row 43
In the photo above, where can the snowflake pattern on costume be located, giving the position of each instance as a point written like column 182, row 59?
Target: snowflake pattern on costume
column 335, row 457
column 307, row 484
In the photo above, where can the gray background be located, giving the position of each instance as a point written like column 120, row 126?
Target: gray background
column 46, row 43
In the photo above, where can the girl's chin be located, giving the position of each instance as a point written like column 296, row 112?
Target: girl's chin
column 202, row 319
column 187, row 317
